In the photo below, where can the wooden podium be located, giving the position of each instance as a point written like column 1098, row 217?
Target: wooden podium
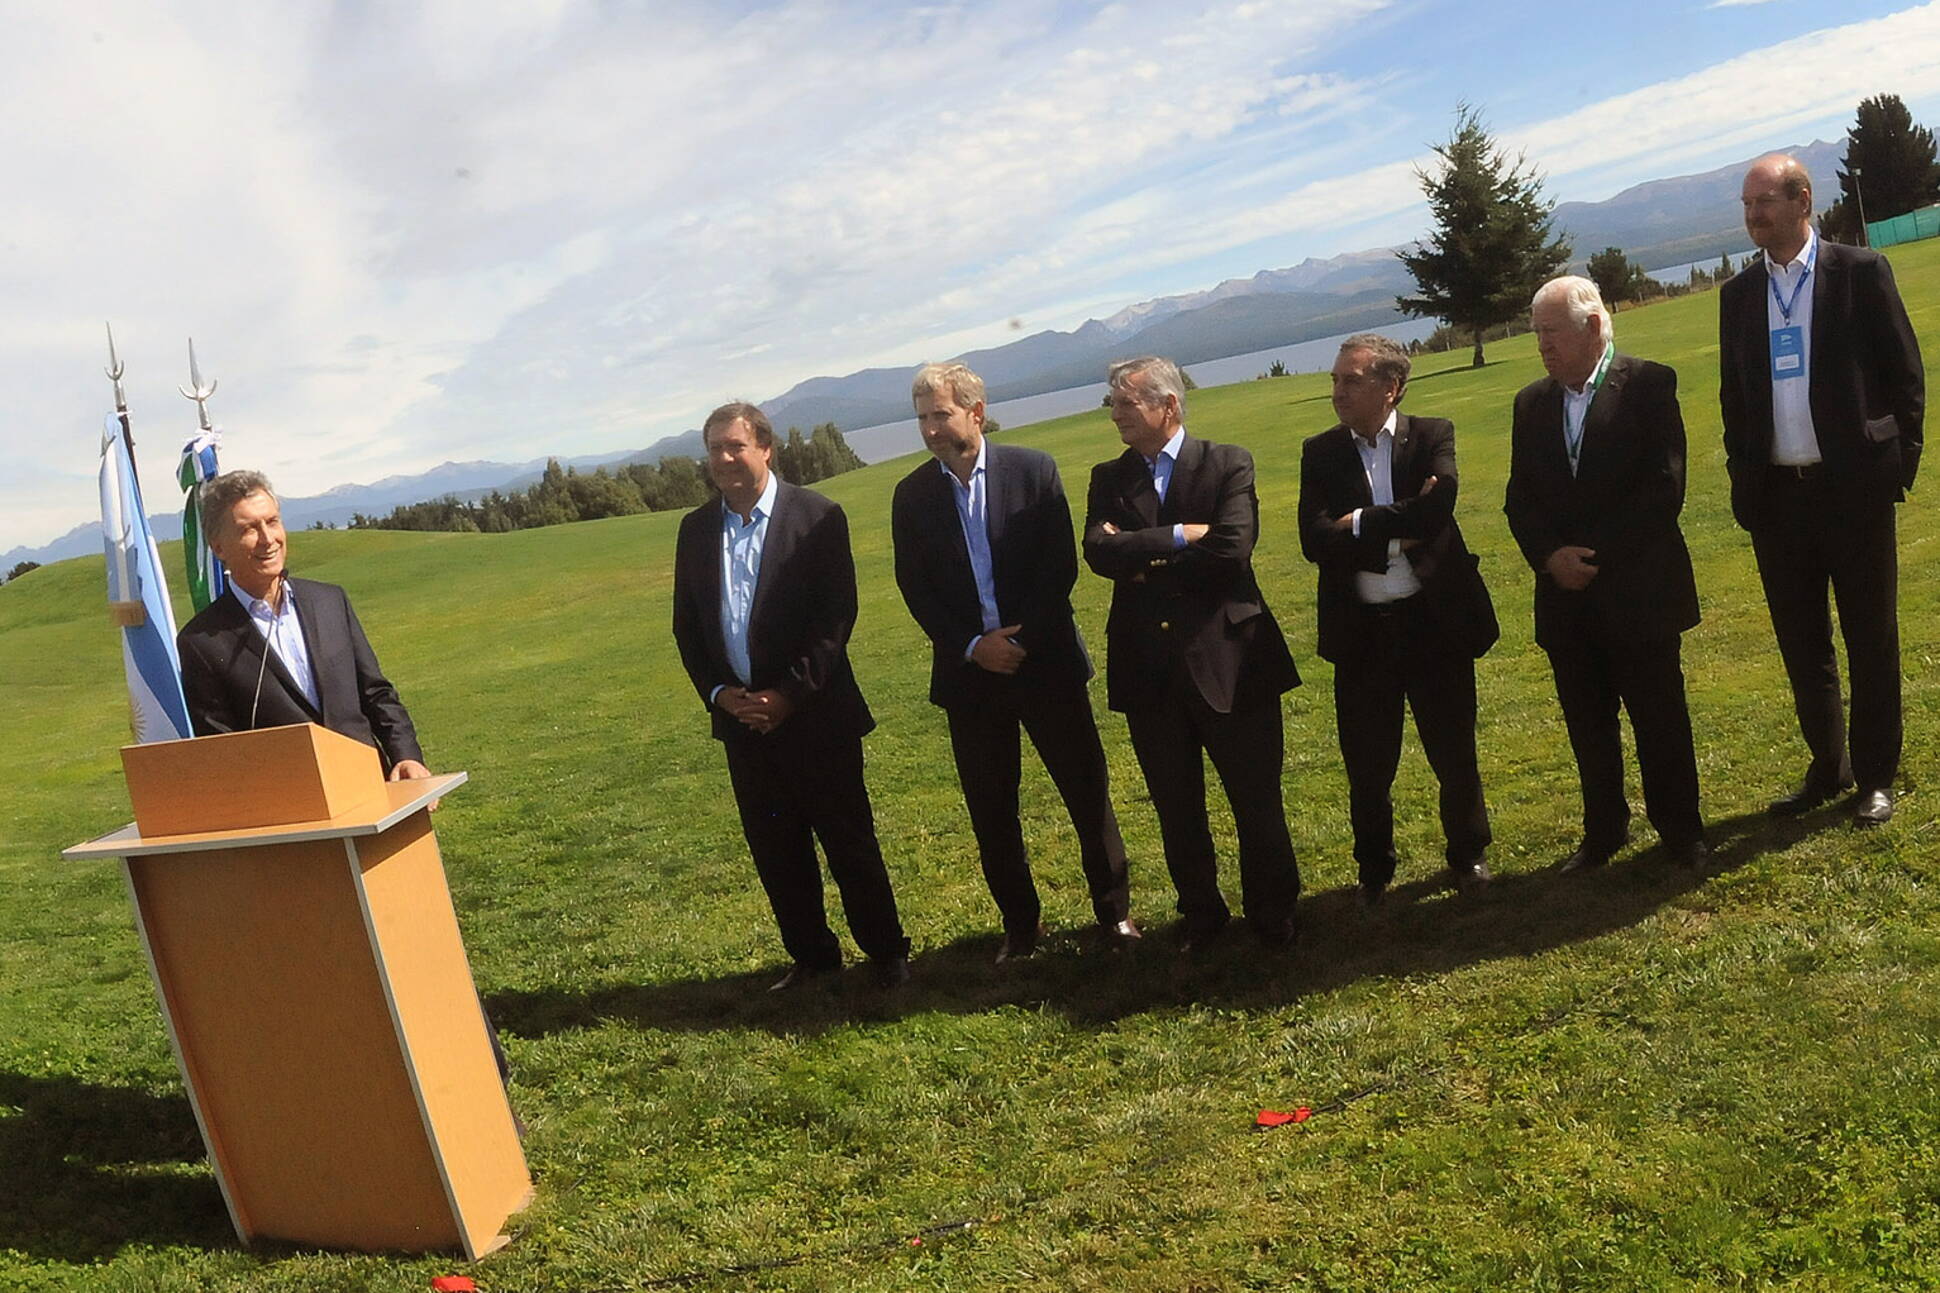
column 294, row 912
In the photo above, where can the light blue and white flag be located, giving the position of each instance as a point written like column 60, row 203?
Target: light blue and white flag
column 138, row 598
column 197, row 468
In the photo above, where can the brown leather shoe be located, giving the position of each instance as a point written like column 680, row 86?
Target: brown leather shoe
column 1872, row 808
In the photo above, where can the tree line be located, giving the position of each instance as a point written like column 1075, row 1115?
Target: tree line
column 565, row 494
column 1494, row 244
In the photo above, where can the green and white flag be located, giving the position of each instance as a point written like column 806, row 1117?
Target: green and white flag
column 198, row 467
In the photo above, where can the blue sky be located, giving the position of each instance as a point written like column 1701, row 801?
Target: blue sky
column 408, row 233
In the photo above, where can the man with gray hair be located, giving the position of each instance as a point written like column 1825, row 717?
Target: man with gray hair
column 1196, row 661
column 1596, row 482
column 275, row 650
column 985, row 561
column 1403, row 610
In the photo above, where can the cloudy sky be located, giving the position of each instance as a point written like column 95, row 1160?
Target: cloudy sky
column 454, row 229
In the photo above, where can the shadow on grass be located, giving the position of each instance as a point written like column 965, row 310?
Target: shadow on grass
column 86, row 1170
column 1423, row 928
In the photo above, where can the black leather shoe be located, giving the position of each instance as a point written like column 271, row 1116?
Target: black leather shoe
column 890, row 972
column 1372, row 896
column 1122, row 934
column 1872, row 808
column 1586, row 858
column 1689, row 853
column 1194, row 938
column 1021, row 945
column 1469, row 877
column 1812, row 792
column 1276, row 931
column 800, row 976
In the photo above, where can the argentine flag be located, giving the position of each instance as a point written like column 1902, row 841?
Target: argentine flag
column 138, row 599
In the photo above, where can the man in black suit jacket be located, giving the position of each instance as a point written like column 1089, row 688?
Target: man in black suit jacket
column 1823, row 398
column 764, row 601
column 986, row 561
column 1195, row 659
column 1596, row 481
column 1403, row 611
column 275, row 650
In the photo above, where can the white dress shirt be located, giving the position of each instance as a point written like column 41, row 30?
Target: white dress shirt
column 1795, row 443
column 1378, row 588
column 284, row 633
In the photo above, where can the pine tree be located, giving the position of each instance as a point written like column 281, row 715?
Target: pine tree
column 1897, row 171
column 1492, row 246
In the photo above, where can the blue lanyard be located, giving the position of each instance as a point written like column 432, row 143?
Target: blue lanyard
column 1786, row 307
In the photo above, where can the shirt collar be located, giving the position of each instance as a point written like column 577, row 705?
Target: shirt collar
column 1808, row 256
column 250, row 601
column 1170, row 449
column 1387, row 429
column 764, row 507
column 983, row 454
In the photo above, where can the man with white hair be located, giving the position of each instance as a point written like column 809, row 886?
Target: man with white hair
column 1596, row 482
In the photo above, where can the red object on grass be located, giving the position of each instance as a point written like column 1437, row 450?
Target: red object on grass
column 453, row 1284
column 1274, row 1118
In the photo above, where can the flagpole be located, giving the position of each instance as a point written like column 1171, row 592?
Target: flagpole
column 114, row 371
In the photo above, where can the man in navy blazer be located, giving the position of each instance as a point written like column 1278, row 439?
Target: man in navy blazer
column 1403, row 610
column 1823, row 397
column 764, row 601
column 1196, row 661
column 1596, row 482
column 275, row 650
column 985, row 560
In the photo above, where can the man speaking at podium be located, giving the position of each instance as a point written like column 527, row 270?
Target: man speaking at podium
column 275, row 650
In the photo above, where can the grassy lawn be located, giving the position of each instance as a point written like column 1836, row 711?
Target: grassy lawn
column 1636, row 1079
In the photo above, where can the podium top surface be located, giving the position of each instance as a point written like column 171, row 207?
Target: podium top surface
column 401, row 799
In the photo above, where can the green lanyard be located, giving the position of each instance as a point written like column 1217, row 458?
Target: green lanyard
column 1573, row 434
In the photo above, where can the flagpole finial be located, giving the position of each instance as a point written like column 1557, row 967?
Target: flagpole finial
column 197, row 391
column 114, row 371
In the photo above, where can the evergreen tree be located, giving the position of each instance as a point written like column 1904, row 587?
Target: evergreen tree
column 1492, row 246
column 1895, row 159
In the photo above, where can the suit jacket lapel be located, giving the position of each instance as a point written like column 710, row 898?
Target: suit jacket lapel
column 1351, row 466
column 1136, row 487
column 1185, row 469
column 956, row 549
column 1402, row 462
column 1827, row 271
column 774, row 543
column 1602, row 413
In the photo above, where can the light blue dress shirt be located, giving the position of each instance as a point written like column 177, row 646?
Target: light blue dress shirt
column 1161, row 468
column 284, row 633
column 973, row 504
column 741, row 544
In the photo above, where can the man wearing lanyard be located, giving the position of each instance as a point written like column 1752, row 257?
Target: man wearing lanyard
column 985, row 561
column 764, row 601
column 1596, row 482
column 1403, row 610
column 1195, row 660
column 1823, row 397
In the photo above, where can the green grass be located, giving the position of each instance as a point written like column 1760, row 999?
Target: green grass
column 1633, row 1080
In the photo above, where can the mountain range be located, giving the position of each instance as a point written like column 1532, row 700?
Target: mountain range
column 1659, row 223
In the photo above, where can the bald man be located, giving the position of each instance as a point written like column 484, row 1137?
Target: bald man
column 1823, row 397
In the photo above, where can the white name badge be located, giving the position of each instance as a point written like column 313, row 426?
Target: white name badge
column 1788, row 353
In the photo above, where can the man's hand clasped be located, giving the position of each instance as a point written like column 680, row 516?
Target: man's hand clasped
column 759, row 711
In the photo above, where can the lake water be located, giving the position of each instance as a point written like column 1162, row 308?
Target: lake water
column 1682, row 273
column 893, row 439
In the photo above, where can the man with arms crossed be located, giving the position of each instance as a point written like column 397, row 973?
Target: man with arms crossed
column 986, row 561
column 1823, row 397
column 1403, row 610
column 1196, row 662
column 1596, row 482
column 764, row 601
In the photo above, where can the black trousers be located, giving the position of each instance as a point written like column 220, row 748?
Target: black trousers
column 1403, row 659
column 984, row 738
column 793, row 789
column 1248, row 749
column 1807, row 543
column 1595, row 673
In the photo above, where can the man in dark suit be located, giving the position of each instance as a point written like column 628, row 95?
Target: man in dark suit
column 275, row 650
column 986, row 561
column 1196, row 662
column 1596, row 482
column 1403, row 611
column 1823, row 397
column 764, row 601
